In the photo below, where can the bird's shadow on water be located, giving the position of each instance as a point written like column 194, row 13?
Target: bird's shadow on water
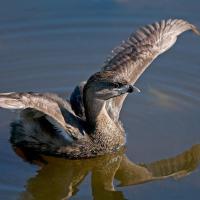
column 60, row 178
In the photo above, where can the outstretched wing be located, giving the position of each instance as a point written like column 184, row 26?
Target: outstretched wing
column 57, row 109
column 134, row 55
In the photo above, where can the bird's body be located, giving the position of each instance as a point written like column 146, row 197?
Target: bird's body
column 88, row 125
column 40, row 132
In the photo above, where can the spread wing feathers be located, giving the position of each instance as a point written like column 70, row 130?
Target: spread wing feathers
column 134, row 55
column 54, row 107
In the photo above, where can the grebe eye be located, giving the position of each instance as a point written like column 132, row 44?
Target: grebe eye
column 117, row 85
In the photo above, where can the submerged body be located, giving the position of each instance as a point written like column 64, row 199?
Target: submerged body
column 88, row 125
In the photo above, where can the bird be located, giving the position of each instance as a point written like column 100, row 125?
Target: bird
column 88, row 125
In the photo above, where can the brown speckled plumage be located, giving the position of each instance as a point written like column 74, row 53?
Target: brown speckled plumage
column 89, row 124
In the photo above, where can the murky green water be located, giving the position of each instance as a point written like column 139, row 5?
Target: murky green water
column 52, row 46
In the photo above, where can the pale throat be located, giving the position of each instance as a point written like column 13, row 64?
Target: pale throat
column 97, row 115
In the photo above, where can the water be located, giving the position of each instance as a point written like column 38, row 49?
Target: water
column 52, row 46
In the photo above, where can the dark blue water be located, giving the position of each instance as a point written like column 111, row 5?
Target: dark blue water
column 53, row 45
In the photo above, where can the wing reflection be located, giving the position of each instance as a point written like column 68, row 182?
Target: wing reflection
column 60, row 178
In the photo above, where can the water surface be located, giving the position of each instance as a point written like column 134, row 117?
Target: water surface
column 52, row 46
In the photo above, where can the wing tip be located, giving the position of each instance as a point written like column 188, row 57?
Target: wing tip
column 195, row 30
column 188, row 25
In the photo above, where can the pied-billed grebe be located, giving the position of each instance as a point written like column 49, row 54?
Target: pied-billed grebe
column 89, row 124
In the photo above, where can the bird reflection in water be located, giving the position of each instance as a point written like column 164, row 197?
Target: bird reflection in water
column 60, row 178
